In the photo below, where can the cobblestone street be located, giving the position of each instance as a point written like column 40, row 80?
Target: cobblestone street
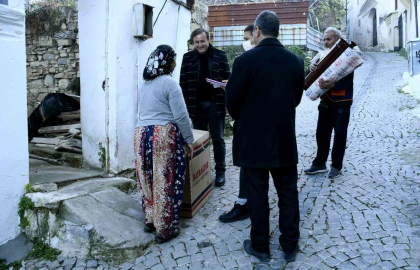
column 368, row 218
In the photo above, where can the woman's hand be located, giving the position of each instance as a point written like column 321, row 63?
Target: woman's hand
column 190, row 150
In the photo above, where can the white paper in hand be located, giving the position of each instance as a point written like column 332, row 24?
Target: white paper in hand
column 215, row 84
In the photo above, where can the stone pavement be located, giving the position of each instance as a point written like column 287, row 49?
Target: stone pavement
column 369, row 218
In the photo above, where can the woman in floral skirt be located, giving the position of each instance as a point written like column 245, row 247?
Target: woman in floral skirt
column 163, row 130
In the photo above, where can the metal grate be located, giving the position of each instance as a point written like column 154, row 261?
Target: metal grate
column 290, row 34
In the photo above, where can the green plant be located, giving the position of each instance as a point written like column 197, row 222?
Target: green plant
column 74, row 86
column 3, row 265
column 102, row 155
column 298, row 51
column 329, row 13
column 43, row 21
column 231, row 53
column 403, row 53
column 127, row 187
column 14, row 265
column 24, row 204
column 43, row 251
column 29, row 189
column 72, row 4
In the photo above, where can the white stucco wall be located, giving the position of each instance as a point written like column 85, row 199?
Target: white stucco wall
column 387, row 33
column 109, row 50
column 14, row 163
column 92, row 43
column 412, row 22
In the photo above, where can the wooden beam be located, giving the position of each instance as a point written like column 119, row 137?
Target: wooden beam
column 58, row 129
column 51, row 141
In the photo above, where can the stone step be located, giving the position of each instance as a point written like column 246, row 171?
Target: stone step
column 71, row 159
column 52, row 200
column 41, row 172
column 90, row 219
column 105, row 225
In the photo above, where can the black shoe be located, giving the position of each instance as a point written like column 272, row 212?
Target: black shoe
column 334, row 173
column 315, row 169
column 149, row 228
column 220, row 180
column 239, row 212
column 263, row 257
column 291, row 256
column 175, row 234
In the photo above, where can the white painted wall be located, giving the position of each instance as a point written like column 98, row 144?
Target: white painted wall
column 14, row 163
column 109, row 50
column 92, row 43
column 387, row 34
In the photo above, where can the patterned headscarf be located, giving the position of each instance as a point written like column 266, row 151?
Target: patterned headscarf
column 159, row 62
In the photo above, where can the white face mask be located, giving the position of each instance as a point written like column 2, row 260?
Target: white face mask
column 247, row 45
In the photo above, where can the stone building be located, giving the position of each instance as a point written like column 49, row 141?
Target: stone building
column 385, row 25
column 53, row 58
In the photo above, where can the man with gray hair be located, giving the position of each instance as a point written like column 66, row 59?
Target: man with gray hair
column 334, row 113
column 264, row 89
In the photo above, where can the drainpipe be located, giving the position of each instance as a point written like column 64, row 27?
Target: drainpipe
column 417, row 22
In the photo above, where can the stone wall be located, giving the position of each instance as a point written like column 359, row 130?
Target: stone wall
column 53, row 61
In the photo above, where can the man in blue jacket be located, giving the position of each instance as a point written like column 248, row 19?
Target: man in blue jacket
column 334, row 113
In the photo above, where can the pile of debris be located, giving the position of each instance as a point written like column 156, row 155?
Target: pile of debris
column 55, row 124
column 66, row 137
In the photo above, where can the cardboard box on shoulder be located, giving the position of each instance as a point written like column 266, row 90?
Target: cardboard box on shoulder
column 198, row 184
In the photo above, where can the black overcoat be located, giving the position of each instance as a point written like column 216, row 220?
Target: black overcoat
column 262, row 94
column 190, row 69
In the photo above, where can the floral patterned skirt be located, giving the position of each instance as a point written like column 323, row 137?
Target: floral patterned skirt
column 160, row 168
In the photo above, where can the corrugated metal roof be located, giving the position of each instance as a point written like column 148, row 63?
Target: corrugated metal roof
column 245, row 14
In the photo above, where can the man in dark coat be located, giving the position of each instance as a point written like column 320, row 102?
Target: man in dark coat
column 264, row 89
column 205, row 104
column 334, row 113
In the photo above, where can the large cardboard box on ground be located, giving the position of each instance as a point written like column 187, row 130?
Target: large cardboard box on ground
column 198, row 185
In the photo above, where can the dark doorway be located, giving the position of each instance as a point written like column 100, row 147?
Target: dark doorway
column 375, row 31
column 400, row 33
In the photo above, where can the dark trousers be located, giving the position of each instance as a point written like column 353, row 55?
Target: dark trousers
column 242, row 185
column 337, row 118
column 207, row 116
column 285, row 181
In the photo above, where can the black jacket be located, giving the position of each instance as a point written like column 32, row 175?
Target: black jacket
column 219, row 70
column 261, row 96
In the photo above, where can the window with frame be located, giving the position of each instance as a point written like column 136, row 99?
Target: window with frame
column 396, row 4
